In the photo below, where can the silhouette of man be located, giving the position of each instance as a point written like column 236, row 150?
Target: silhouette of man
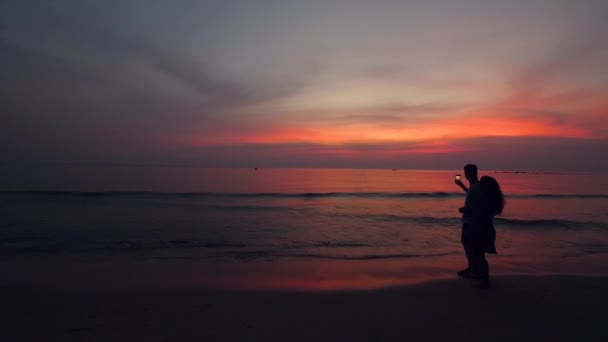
column 473, row 226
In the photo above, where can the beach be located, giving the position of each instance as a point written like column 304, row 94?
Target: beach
column 298, row 255
column 515, row 308
column 303, row 171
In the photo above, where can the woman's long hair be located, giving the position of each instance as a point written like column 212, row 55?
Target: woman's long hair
column 496, row 199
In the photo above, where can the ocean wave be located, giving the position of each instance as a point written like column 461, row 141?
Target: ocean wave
column 499, row 221
column 341, row 244
column 310, row 195
column 35, row 244
column 261, row 254
column 562, row 196
column 370, row 256
column 110, row 194
column 548, row 223
column 269, row 254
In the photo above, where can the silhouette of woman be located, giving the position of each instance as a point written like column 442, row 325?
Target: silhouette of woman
column 494, row 205
column 483, row 239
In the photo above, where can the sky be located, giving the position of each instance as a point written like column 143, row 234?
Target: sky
column 510, row 85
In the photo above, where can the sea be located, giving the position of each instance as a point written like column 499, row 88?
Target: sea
column 272, row 228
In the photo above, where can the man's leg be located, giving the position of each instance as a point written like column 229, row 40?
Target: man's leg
column 475, row 250
column 466, row 244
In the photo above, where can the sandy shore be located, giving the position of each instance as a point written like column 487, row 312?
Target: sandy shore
column 514, row 309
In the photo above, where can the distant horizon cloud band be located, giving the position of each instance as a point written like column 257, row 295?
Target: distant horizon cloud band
column 518, row 85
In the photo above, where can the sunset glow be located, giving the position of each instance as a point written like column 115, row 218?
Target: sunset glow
column 287, row 84
column 471, row 126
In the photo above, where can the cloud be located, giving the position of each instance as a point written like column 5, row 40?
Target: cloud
column 559, row 89
column 73, row 90
column 108, row 82
column 491, row 153
column 105, row 55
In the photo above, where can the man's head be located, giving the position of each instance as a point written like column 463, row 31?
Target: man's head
column 470, row 172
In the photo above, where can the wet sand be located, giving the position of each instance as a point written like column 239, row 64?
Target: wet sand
column 515, row 308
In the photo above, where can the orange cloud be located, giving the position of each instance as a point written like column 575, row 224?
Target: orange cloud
column 567, row 114
column 470, row 126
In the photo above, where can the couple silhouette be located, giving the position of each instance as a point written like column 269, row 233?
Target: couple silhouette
column 484, row 201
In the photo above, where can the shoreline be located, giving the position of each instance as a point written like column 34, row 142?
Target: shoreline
column 140, row 271
column 540, row 308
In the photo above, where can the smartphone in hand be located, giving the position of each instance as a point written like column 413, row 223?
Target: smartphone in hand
column 457, row 178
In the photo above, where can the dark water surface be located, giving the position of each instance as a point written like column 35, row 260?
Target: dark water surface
column 285, row 228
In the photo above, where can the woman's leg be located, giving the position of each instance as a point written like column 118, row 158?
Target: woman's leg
column 491, row 239
column 484, row 267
